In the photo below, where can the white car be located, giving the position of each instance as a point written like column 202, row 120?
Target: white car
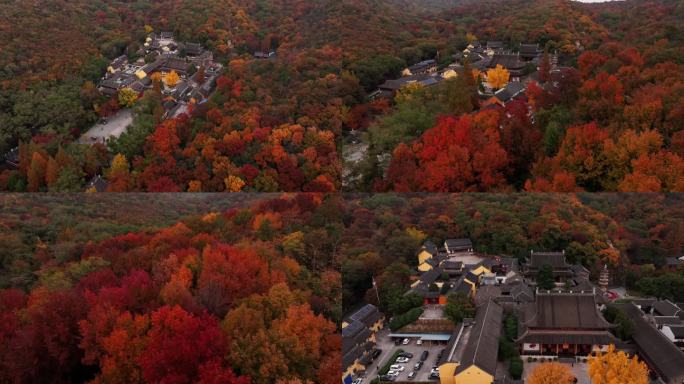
column 402, row 360
column 357, row 381
column 406, row 341
column 396, row 367
column 419, row 342
column 393, row 373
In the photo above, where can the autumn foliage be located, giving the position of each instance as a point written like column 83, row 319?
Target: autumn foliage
column 183, row 304
column 281, row 124
column 551, row 373
column 613, row 367
column 498, row 77
column 457, row 154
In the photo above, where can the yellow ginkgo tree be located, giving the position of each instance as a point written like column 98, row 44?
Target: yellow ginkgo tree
column 171, row 79
column 616, row 367
column 551, row 373
column 127, row 97
column 498, row 77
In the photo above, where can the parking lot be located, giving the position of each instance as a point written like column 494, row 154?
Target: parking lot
column 386, row 344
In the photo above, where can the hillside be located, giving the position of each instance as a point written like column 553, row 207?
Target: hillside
column 49, row 97
column 602, row 114
column 280, row 124
column 243, row 290
column 384, row 232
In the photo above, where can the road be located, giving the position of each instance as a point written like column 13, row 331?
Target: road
column 354, row 150
column 182, row 108
column 116, row 125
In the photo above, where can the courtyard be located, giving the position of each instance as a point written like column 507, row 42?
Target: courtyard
column 115, row 126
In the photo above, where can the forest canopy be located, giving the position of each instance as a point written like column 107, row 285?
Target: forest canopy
column 187, row 289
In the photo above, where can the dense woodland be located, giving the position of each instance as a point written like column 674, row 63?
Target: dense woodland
column 385, row 231
column 279, row 125
column 64, row 223
column 612, row 124
column 271, row 125
column 248, row 291
column 97, row 287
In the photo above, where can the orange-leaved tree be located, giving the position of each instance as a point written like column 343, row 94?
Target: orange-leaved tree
column 617, row 368
column 171, row 79
column 498, row 77
column 551, row 373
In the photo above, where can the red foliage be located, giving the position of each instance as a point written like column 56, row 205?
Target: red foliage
column 179, row 344
column 163, row 184
column 462, row 154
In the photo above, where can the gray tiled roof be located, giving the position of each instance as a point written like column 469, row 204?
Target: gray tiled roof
column 367, row 315
column 566, row 311
column 665, row 308
column 483, row 345
column 661, row 355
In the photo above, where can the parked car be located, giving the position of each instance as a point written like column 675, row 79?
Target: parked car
column 357, row 381
column 412, row 375
column 387, row 378
column 397, row 341
column 434, row 374
column 406, row 354
column 424, row 355
column 402, row 360
column 406, row 341
column 419, row 342
column 418, row 366
column 376, row 353
column 396, row 367
column 393, row 373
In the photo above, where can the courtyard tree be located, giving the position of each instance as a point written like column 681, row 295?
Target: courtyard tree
column 545, row 278
column 616, row 367
column 624, row 325
column 127, row 97
column 458, row 307
column 551, row 373
column 171, row 79
column 498, row 77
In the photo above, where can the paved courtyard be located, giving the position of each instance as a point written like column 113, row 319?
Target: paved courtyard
column 580, row 370
column 116, row 125
column 467, row 258
column 432, row 312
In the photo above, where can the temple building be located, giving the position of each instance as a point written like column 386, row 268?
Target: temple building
column 530, row 51
column 478, row 361
column 429, row 288
column 358, row 339
column 456, row 246
column 561, row 269
column 428, row 257
column 662, row 356
column 563, row 323
column 512, row 62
